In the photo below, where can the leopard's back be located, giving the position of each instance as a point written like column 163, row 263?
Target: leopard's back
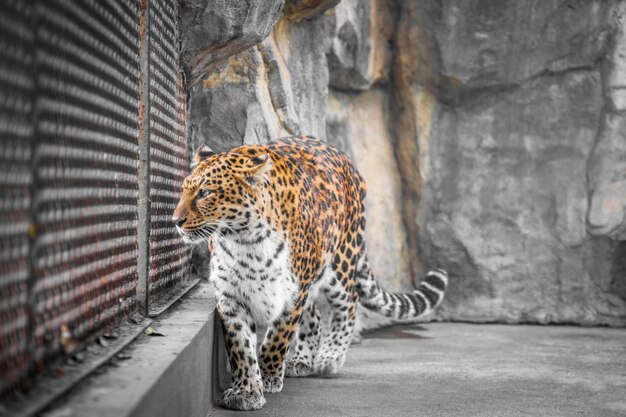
column 329, row 190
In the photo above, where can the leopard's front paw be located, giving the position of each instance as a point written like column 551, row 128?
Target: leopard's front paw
column 272, row 384
column 241, row 399
column 298, row 368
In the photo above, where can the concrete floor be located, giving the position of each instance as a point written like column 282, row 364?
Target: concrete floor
column 453, row 369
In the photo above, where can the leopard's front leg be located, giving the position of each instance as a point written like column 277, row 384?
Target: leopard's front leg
column 276, row 345
column 305, row 259
column 246, row 393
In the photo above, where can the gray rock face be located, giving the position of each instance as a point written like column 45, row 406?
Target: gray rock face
column 505, row 204
column 359, row 52
column 214, row 30
column 275, row 89
column 485, row 44
column 607, row 180
column 297, row 10
column 511, row 129
column 302, row 47
column 231, row 105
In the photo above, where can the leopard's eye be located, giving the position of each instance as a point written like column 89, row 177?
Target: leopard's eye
column 205, row 192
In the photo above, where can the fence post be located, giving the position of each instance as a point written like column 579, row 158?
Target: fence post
column 143, row 210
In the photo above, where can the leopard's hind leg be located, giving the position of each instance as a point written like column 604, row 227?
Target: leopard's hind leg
column 339, row 289
column 305, row 344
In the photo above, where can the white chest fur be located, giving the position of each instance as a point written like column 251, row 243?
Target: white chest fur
column 255, row 271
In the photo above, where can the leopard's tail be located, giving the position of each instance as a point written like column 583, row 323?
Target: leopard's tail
column 421, row 301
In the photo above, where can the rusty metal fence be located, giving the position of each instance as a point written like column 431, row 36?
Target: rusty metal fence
column 92, row 155
column 168, row 151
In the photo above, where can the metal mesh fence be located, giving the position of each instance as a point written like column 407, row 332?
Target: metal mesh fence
column 168, row 148
column 70, row 90
column 86, row 168
column 16, row 180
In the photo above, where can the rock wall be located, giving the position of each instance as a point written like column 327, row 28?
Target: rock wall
column 275, row 87
column 491, row 134
column 518, row 117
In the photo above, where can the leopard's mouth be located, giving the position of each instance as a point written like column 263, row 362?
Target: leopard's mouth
column 196, row 236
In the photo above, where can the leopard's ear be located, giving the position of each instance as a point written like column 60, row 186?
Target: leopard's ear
column 255, row 169
column 202, row 153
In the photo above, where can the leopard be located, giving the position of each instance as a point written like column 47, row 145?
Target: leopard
column 285, row 223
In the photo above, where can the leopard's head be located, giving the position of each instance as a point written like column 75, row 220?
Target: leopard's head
column 221, row 195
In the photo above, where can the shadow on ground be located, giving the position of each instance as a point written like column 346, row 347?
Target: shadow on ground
column 409, row 331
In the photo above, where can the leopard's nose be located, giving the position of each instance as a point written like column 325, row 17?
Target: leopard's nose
column 179, row 221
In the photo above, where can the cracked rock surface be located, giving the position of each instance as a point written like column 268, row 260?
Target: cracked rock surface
column 522, row 172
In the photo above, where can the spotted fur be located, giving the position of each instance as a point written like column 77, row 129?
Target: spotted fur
column 286, row 222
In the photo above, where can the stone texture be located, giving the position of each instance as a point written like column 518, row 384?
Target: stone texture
column 231, row 105
column 413, row 80
column 275, row 89
column 505, row 201
column 607, row 177
column 483, row 44
column 617, row 74
column 511, row 163
column 302, row 47
column 297, row 10
column 360, row 51
column 212, row 31
column 607, row 168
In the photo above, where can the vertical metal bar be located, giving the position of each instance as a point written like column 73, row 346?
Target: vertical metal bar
column 143, row 213
column 33, row 229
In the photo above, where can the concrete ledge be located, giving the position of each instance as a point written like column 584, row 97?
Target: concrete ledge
column 173, row 375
